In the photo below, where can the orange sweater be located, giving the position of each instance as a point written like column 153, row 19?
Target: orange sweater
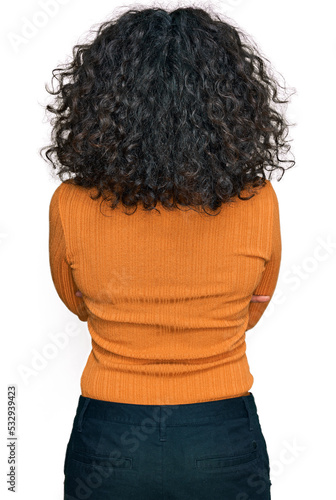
column 166, row 297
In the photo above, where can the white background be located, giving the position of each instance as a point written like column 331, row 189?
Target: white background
column 291, row 350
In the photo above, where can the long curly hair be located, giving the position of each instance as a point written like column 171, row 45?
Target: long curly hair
column 168, row 107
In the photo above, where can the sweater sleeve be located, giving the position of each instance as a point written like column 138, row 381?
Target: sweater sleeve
column 270, row 274
column 61, row 272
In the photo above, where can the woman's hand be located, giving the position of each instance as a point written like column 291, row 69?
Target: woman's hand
column 260, row 298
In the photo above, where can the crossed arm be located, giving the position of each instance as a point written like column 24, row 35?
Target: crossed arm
column 266, row 287
column 60, row 267
column 68, row 292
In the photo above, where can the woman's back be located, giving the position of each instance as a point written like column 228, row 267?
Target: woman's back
column 166, row 295
column 169, row 111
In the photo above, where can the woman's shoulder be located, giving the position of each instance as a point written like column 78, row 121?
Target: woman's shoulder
column 262, row 194
column 67, row 194
column 270, row 192
column 68, row 188
column 267, row 193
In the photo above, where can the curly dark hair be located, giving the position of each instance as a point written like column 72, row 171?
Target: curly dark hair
column 173, row 107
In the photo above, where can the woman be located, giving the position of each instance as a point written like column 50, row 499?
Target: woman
column 174, row 116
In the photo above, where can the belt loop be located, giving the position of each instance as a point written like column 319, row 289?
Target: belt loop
column 81, row 415
column 250, row 408
column 162, row 424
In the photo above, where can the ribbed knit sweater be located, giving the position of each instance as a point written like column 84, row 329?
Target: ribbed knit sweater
column 166, row 296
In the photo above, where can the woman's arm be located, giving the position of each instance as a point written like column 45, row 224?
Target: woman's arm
column 270, row 275
column 59, row 262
